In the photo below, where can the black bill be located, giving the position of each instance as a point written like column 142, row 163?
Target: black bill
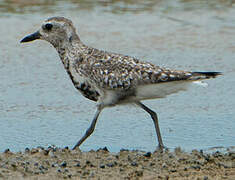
column 31, row 37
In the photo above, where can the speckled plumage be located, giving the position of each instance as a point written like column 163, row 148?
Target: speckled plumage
column 115, row 72
column 111, row 78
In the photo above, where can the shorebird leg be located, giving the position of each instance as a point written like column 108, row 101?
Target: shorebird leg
column 155, row 121
column 90, row 130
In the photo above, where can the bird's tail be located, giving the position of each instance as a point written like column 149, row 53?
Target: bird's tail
column 204, row 75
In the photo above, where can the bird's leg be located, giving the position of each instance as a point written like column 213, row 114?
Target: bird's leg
column 155, row 121
column 90, row 130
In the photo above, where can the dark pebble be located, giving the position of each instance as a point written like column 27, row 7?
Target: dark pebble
column 53, row 165
column 110, row 164
column 14, row 165
column 78, row 164
column 59, row 170
column 164, row 165
column 173, row 170
column 182, row 159
column 102, row 166
column 105, row 149
column 217, row 154
column 41, row 167
column 36, row 164
column 148, row 154
column 205, row 178
column 139, row 173
column 65, row 149
column 63, row 164
column 121, row 150
column 27, row 150
column 7, row 151
column 88, row 162
column 195, row 167
column 201, row 152
column 207, row 157
column 134, row 164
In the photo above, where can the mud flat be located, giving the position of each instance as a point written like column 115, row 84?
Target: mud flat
column 63, row 163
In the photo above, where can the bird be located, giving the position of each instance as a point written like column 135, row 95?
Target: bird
column 111, row 79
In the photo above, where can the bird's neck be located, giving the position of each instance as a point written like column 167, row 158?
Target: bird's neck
column 70, row 52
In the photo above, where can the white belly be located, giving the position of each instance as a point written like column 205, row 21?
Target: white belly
column 161, row 90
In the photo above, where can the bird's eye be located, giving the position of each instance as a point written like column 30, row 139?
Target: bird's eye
column 48, row 26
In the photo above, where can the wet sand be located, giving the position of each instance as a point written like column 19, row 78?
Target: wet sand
column 63, row 163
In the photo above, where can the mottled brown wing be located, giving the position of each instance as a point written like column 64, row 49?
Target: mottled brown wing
column 126, row 72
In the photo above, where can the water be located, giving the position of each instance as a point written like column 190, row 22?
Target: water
column 39, row 105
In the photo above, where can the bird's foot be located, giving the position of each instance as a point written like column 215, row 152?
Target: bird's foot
column 161, row 148
column 76, row 147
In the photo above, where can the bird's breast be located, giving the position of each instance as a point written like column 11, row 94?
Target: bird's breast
column 83, row 85
column 87, row 91
column 79, row 81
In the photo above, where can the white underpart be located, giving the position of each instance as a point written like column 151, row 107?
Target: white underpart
column 151, row 91
column 161, row 90
column 201, row 83
column 108, row 98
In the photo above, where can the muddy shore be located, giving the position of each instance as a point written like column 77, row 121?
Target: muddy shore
column 60, row 163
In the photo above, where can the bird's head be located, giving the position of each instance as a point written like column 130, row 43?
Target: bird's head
column 55, row 30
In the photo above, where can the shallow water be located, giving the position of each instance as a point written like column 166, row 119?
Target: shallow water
column 39, row 105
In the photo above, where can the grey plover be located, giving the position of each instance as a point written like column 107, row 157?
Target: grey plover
column 109, row 78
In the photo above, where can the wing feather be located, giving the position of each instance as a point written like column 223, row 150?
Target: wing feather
column 115, row 71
